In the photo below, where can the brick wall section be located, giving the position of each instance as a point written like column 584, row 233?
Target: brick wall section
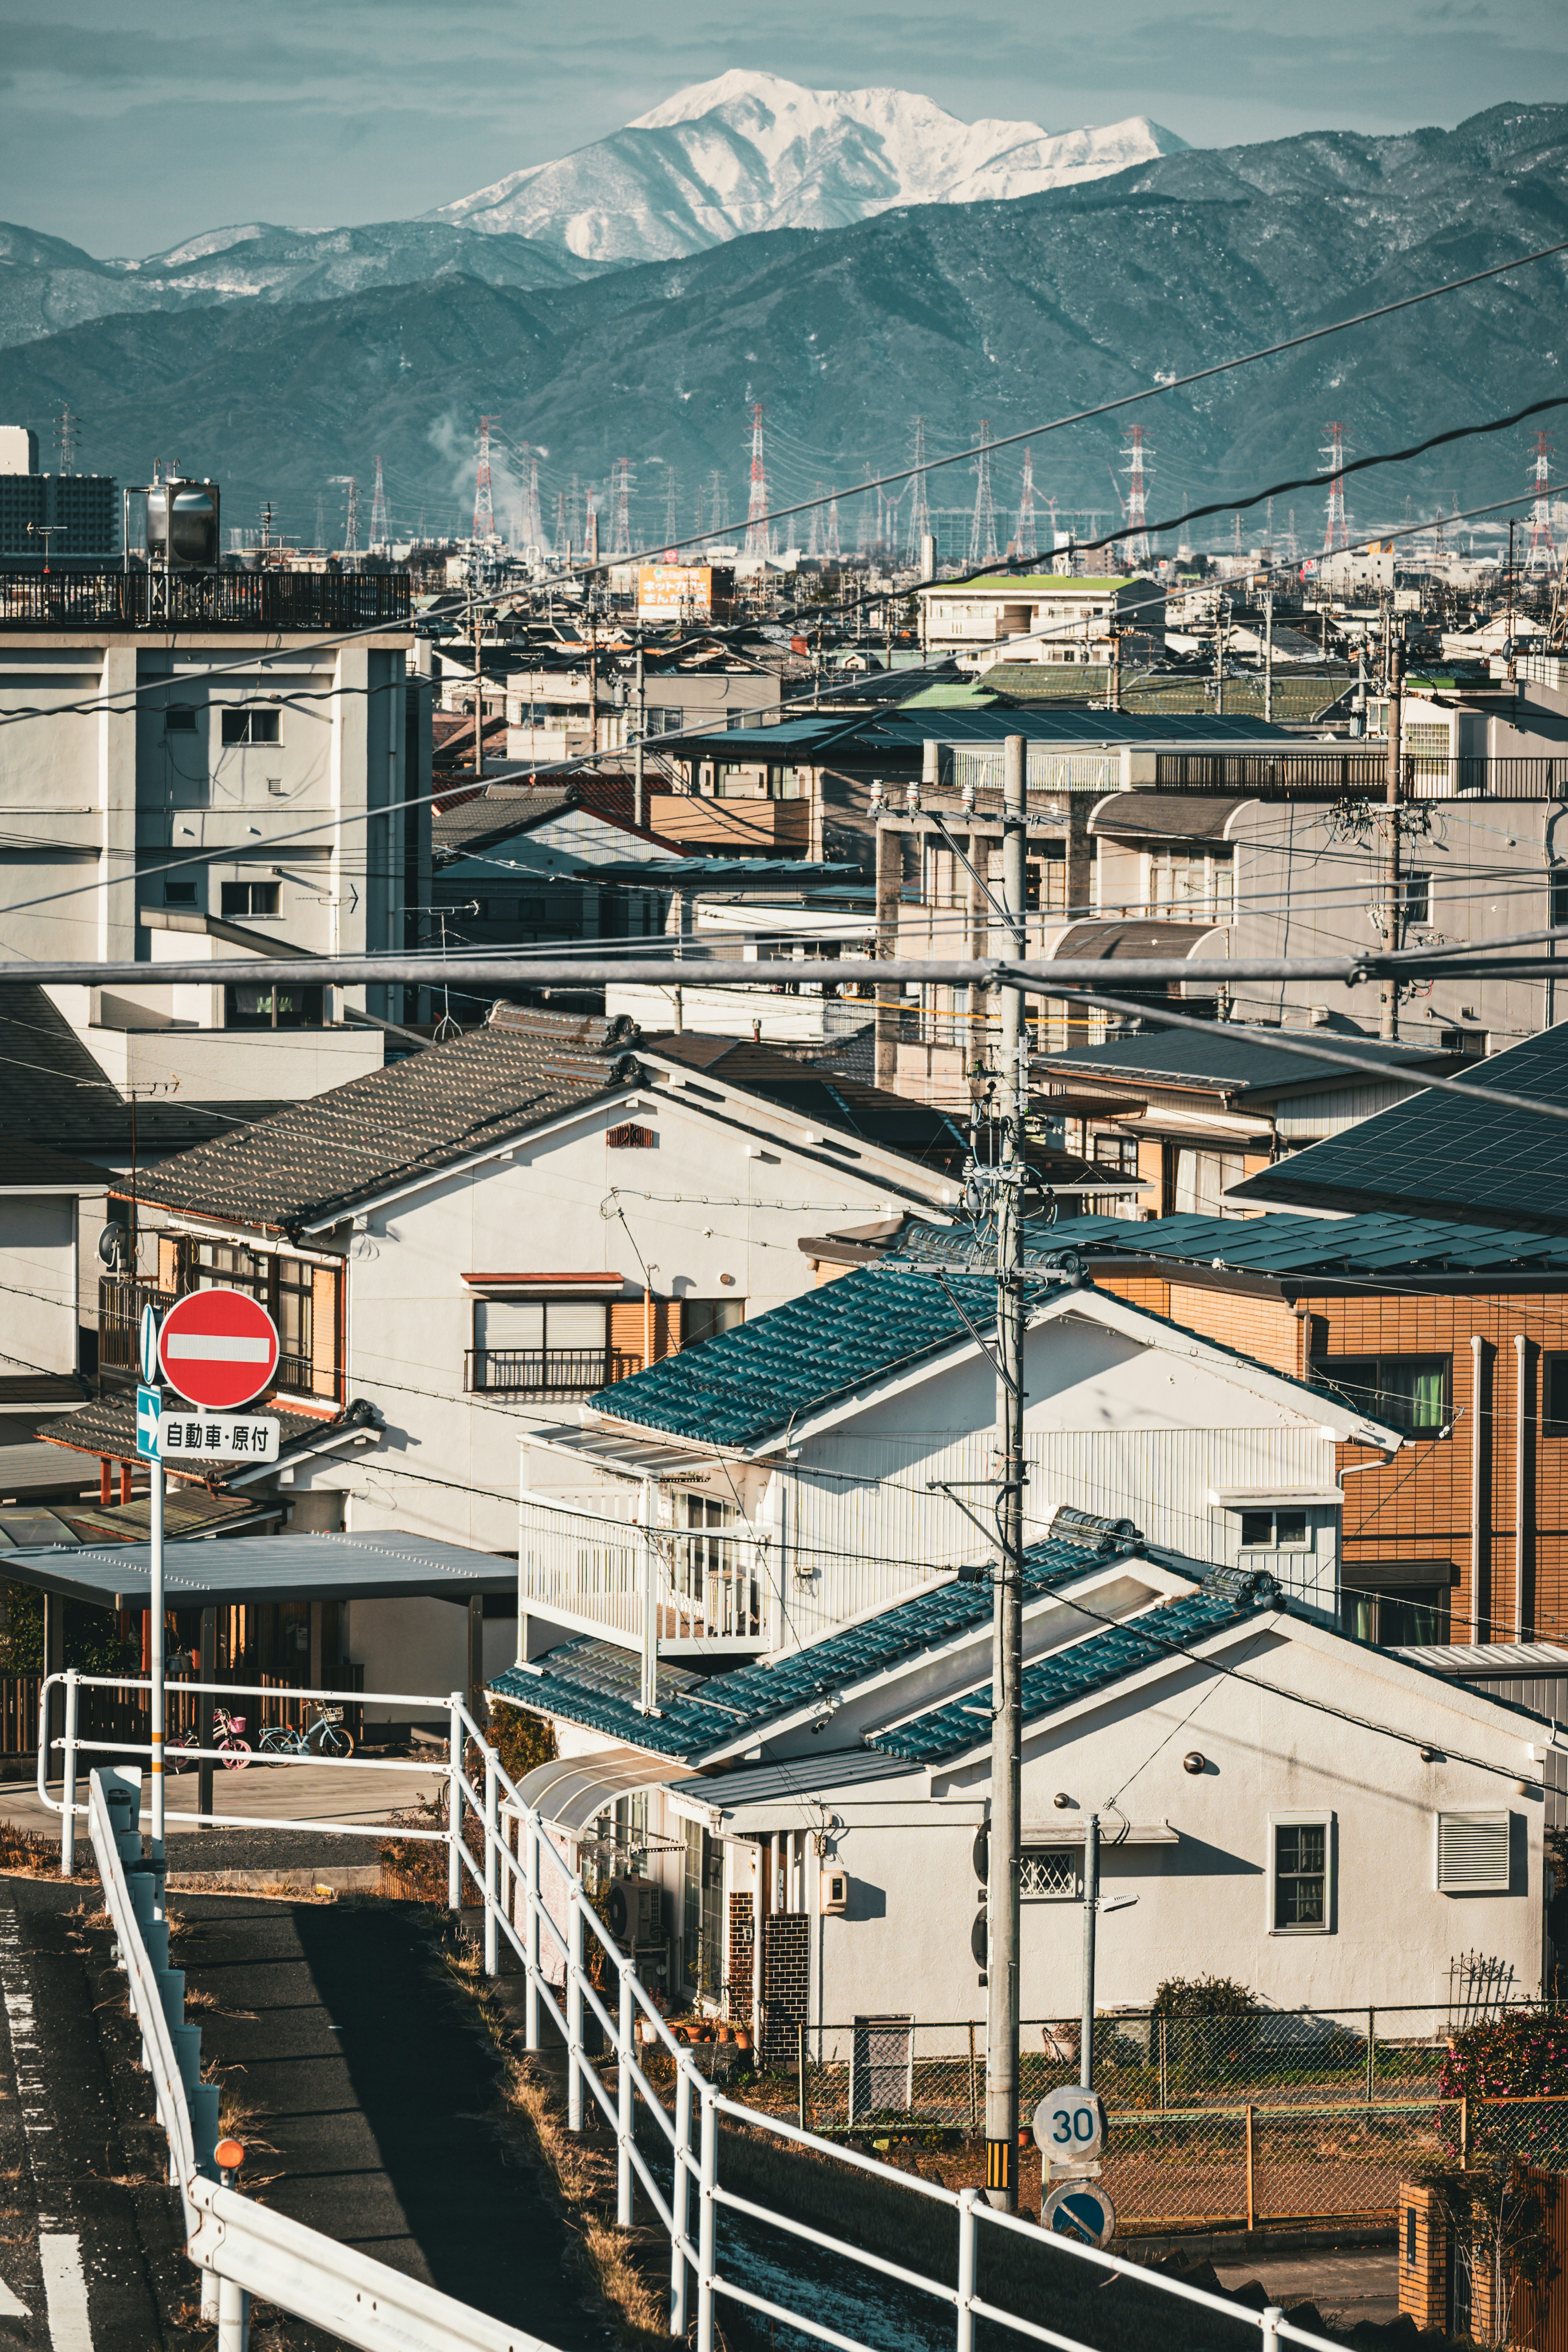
column 743, row 1944
column 1423, row 2267
column 1142, row 1290
column 1264, row 1329
column 787, row 1985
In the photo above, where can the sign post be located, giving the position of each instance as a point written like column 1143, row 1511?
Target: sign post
column 218, row 1348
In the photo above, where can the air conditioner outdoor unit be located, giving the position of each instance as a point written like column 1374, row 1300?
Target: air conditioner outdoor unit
column 634, row 1911
column 835, row 1890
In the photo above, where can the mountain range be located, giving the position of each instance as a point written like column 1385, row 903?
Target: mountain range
column 1011, row 309
column 750, row 153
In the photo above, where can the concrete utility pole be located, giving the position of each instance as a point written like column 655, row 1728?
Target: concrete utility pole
column 1389, row 1024
column 1090, row 1920
column 1222, row 612
column 1268, row 655
column 1007, row 1617
column 638, row 801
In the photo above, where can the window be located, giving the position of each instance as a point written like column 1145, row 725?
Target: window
column 1274, row 1530
column 1050, row 1873
column 539, row 1345
column 273, row 1008
column 301, row 1298
column 250, row 725
column 243, row 898
column 705, row 1318
column 1558, row 892
column 1203, row 1178
column 629, row 1136
column 1301, row 1889
column 1415, row 892
column 1407, row 1392
column 1472, row 1853
column 665, row 719
column 1118, row 1152
column 701, row 1945
column 1555, row 1396
column 1396, row 1605
column 179, row 894
column 179, row 719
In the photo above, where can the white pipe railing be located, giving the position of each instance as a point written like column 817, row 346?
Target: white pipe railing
column 242, row 2249
column 560, row 1993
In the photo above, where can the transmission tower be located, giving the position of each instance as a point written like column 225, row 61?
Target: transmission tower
column 533, row 516
column 380, row 528
column 1136, row 544
column 832, row 552
column 758, row 538
column 1027, row 529
column 719, row 505
column 65, row 439
column 1541, row 553
column 813, row 551
column 982, row 528
column 321, row 521
column 919, row 509
column 484, row 509
column 1292, row 544
column 621, row 508
column 350, row 529
column 671, row 521
column 1335, row 531
column 863, row 526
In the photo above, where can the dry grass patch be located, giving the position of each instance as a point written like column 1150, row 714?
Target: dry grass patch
column 585, row 2175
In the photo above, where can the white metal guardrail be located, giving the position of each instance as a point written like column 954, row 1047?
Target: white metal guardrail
column 271, row 2258
column 242, row 2249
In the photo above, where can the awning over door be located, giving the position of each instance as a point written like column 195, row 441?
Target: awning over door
column 570, row 1791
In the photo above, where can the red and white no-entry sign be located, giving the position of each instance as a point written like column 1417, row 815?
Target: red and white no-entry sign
column 218, row 1348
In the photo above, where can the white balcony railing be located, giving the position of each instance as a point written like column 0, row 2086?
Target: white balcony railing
column 657, row 1590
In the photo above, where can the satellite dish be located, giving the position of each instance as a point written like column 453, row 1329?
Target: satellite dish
column 114, row 1247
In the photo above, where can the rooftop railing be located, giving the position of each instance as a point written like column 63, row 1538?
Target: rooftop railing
column 647, row 1589
column 112, row 598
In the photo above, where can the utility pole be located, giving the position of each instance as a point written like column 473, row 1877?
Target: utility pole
column 479, row 687
column 638, row 803
column 1389, row 1024
column 1221, row 614
column 1090, row 1918
column 593, row 687
column 1269, row 654
column 1008, row 1612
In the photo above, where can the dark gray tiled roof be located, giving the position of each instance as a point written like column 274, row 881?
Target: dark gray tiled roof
column 107, row 1427
column 316, row 1159
column 57, row 1094
column 1232, row 1059
column 594, row 1684
column 1280, row 1243
column 1435, row 1154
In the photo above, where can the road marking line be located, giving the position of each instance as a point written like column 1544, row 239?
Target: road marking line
column 60, row 2250
column 65, row 2292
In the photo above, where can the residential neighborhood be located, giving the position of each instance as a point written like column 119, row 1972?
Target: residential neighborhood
column 783, row 1264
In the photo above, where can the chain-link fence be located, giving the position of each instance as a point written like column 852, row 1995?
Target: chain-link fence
column 1260, row 2116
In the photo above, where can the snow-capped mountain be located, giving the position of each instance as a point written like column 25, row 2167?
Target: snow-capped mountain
column 751, row 152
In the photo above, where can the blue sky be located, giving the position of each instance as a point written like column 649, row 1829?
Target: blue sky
column 125, row 127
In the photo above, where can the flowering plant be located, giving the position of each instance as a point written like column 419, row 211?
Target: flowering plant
column 1508, row 2057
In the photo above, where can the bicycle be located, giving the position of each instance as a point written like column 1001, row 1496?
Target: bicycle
column 229, row 1736
column 336, row 1745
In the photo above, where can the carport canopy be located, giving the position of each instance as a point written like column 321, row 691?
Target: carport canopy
column 218, row 1571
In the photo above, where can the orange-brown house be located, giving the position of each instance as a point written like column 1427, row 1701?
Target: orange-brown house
column 1455, row 1333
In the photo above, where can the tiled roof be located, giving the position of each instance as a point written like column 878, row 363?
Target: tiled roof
column 56, row 1094
column 1280, row 1243
column 1231, row 1059
column 1067, row 1675
column 744, row 1385
column 591, row 1683
column 821, row 1098
column 107, row 1427
column 317, row 1158
column 1436, row 1153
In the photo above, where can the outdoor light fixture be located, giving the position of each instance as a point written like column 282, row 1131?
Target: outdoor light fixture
column 1061, row 1800
column 1195, row 1762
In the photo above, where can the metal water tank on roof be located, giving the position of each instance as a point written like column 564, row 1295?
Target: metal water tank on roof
column 194, row 543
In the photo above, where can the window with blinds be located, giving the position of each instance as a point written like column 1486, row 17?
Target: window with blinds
column 1472, row 1853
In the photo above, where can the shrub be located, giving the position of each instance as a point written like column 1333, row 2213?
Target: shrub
column 1203, row 1997
column 1507, row 2057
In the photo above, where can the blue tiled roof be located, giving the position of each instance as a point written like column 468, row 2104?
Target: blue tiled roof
column 591, row 1683
column 1070, row 1674
column 1379, row 1243
column 742, row 1386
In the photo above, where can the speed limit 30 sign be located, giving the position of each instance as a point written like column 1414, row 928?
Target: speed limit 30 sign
column 1069, row 2127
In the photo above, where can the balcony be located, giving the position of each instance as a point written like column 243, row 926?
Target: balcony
column 119, row 1303
column 546, row 1371
column 663, row 1592
column 112, row 598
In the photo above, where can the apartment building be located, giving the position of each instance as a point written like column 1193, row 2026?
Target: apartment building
column 1049, row 617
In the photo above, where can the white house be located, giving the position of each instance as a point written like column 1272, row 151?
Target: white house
column 819, row 1464
column 1327, row 1823
column 472, row 1239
